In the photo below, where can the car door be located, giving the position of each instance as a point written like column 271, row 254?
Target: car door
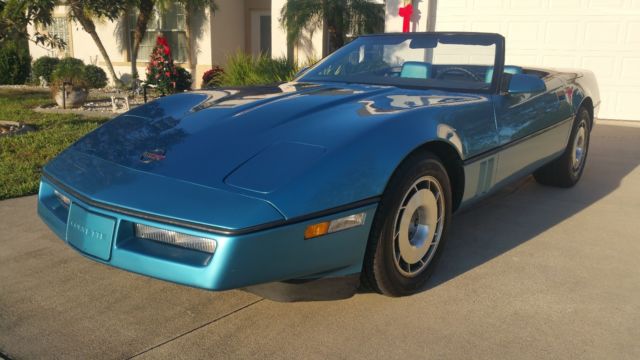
column 527, row 125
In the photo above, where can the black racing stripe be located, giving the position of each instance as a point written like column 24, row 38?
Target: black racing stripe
column 204, row 227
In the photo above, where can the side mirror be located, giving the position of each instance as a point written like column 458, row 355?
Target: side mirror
column 525, row 84
column 300, row 72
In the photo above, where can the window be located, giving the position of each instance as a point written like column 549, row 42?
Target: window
column 265, row 34
column 169, row 21
column 60, row 27
column 260, row 32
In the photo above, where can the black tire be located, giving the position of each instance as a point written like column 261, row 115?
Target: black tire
column 563, row 171
column 382, row 270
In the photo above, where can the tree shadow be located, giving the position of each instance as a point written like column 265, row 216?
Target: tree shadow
column 198, row 22
column 416, row 16
column 121, row 34
column 516, row 214
column 23, row 94
column 392, row 6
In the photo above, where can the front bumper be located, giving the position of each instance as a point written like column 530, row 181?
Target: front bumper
column 274, row 254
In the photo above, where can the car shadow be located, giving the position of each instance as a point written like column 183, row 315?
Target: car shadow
column 512, row 216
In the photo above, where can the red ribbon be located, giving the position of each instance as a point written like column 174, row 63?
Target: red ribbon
column 405, row 13
column 161, row 40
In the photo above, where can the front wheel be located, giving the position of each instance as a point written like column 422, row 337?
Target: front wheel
column 410, row 227
column 566, row 170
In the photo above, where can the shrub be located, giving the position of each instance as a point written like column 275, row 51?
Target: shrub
column 183, row 79
column 213, row 77
column 71, row 71
column 276, row 70
column 243, row 69
column 15, row 63
column 44, row 66
column 96, row 77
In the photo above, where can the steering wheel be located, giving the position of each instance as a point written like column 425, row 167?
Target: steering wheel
column 458, row 70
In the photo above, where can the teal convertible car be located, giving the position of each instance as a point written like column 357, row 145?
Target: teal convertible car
column 354, row 167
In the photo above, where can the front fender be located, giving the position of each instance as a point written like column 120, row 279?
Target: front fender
column 358, row 169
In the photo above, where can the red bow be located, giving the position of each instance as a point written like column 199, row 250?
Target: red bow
column 161, row 40
column 405, row 13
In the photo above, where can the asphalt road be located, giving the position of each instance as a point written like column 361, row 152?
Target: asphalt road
column 533, row 272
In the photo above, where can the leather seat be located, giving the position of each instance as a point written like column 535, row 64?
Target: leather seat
column 415, row 70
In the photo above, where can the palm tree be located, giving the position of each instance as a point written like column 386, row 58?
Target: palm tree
column 341, row 18
column 145, row 13
column 192, row 7
column 84, row 11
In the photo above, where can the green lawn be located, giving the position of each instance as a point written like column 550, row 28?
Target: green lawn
column 22, row 156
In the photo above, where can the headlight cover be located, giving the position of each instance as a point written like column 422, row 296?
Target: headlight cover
column 175, row 238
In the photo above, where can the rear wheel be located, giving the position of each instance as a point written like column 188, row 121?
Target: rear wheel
column 566, row 170
column 410, row 227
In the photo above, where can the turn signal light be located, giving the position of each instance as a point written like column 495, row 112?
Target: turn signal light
column 316, row 230
column 332, row 226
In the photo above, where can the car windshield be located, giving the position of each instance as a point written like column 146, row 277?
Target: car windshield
column 427, row 60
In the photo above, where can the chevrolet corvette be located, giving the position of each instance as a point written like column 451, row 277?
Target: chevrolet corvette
column 354, row 167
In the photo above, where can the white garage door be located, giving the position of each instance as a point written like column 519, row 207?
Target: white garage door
column 599, row 35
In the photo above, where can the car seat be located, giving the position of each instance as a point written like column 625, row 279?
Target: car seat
column 415, row 70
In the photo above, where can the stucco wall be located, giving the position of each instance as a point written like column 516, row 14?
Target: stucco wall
column 228, row 30
column 309, row 47
column 278, row 34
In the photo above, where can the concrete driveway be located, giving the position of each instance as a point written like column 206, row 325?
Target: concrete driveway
column 533, row 272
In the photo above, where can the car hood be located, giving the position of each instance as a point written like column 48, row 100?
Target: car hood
column 210, row 138
column 202, row 137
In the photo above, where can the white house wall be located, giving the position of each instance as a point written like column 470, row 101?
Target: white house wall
column 278, row 34
column 228, row 30
column 310, row 46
